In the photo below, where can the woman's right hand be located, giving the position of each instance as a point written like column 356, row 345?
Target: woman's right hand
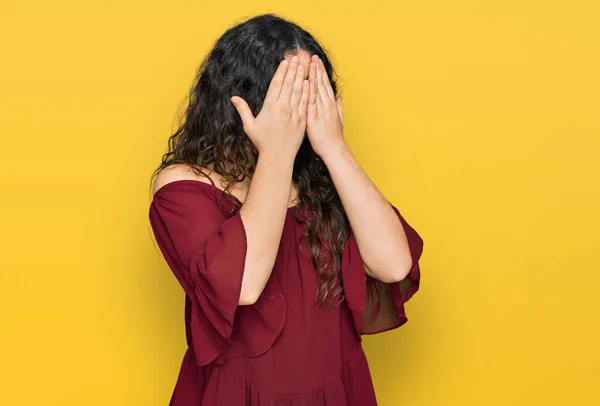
column 280, row 125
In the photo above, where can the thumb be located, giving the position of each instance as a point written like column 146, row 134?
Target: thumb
column 244, row 111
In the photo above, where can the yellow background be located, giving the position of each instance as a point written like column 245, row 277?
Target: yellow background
column 477, row 119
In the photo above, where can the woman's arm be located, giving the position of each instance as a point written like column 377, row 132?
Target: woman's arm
column 378, row 230
column 277, row 132
column 263, row 214
column 379, row 233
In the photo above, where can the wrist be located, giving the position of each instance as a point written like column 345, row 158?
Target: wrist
column 276, row 160
column 334, row 150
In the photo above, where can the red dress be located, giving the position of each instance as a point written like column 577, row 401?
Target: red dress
column 282, row 350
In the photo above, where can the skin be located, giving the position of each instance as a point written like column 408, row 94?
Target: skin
column 379, row 234
column 300, row 99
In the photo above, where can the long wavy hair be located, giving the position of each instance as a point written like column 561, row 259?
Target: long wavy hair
column 243, row 62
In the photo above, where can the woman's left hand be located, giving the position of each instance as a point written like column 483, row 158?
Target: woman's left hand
column 325, row 122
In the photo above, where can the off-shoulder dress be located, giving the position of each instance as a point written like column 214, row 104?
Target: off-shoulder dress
column 282, row 350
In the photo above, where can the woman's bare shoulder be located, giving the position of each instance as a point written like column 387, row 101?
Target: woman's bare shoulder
column 177, row 172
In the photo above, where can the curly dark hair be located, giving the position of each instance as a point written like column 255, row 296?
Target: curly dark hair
column 243, row 62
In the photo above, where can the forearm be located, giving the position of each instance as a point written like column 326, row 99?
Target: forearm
column 378, row 231
column 263, row 214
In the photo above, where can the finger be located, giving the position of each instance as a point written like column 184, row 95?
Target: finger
column 326, row 81
column 297, row 89
column 318, row 71
column 319, row 102
column 244, row 111
column 312, row 71
column 339, row 108
column 276, row 82
column 321, row 81
column 314, row 97
column 303, row 105
column 312, row 112
column 288, row 81
column 315, row 74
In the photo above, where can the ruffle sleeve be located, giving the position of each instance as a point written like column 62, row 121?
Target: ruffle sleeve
column 378, row 306
column 206, row 250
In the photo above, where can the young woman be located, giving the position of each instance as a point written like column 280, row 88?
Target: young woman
column 286, row 251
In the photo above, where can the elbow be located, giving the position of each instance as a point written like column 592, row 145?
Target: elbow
column 248, row 298
column 399, row 273
column 390, row 274
column 404, row 265
column 403, row 273
column 253, row 284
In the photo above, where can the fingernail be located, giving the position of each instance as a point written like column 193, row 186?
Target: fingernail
column 300, row 67
column 294, row 59
column 285, row 62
